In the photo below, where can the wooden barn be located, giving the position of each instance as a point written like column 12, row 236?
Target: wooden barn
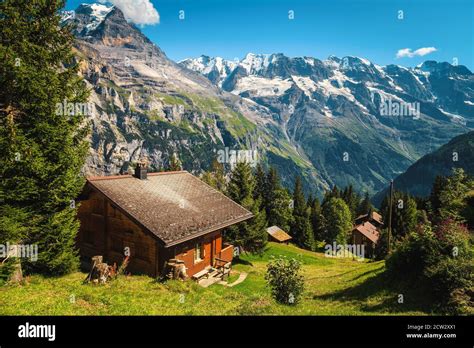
column 156, row 218
column 276, row 234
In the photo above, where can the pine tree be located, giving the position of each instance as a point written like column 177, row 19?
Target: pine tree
column 249, row 235
column 352, row 200
column 410, row 213
column 452, row 197
column 365, row 207
column 310, row 200
column 333, row 193
column 438, row 186
column 242, row 183
column 254, row 232
column 216, row 176
column 300, row 227
column 260, row 184
column 317, row 220
column 404, row 213
column 337, row 221
column 42, row 131
column 208, row 178
column 219, row 175
column 175, row 164
column 276, row 201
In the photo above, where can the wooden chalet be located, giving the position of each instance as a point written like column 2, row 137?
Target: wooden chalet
column 373, row 217
column 159, row 219
column 276, row 234
column 366, row 234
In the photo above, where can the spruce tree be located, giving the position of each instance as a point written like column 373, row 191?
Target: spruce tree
column 250, row 235
column 352, row 199
column 42, row 132
column 310, row 200
column 216, row 176
column 439, row 185
column 175, row 164
column 317, row 220
column 404, row 213
column 338, row 221
column 365, row 207
column 453, row 197
column 219, row 174
column 300, row 227
column 260, row 184
column 242, row 183
column 276, row 201
column 333, row 193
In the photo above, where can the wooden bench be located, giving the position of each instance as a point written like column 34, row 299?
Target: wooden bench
column 201, row 274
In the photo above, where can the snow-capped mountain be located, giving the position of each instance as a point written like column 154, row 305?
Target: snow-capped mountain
column 274, row 74
column 334, row 107
column 321, row 120
column 92, row 16
column 215, row 69
column 148, row 107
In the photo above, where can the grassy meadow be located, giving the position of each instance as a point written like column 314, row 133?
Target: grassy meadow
column 333, row 286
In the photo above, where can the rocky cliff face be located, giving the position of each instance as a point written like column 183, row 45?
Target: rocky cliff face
column 318, row 119
column 148, row 107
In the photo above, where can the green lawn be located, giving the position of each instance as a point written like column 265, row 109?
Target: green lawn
column 332, row 287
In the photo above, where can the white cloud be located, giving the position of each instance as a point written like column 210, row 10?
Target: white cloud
column 408, row 53
column 140, row 12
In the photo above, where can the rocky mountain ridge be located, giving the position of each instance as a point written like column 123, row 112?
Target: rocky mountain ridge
column 317, row 119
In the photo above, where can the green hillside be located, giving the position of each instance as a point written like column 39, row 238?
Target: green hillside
column 419, row 177
column 332, row 287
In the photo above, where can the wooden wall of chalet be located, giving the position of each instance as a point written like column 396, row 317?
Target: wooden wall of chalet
column 186, row 251
column 359, row 239
column 106, row 231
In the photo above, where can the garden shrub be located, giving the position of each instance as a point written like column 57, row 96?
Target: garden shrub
column 440, row 260
column 284, row 280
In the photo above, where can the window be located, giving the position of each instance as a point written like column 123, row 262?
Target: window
column 198, row 252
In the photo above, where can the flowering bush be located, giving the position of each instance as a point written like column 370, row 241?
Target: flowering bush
column 442, row 260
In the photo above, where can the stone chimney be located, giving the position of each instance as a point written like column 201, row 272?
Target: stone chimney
column 141, row 171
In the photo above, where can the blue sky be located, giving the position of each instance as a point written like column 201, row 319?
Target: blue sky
column 365, row 28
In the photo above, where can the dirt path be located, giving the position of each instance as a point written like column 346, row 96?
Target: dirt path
column 239, row 280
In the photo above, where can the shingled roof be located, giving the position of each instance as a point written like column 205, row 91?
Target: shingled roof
column 277, row 233
column 374, row 216
column 368, row 230
column 174, row 206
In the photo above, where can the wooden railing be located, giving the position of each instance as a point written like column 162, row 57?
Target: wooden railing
column 223, row 266
column 227, row 253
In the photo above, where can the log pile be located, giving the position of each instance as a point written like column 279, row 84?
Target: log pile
column 176, row 269
column 101, row 272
